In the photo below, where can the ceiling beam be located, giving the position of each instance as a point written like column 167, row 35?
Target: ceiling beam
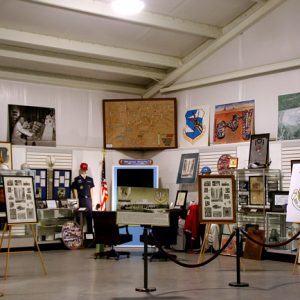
column 98, row 8
column 242, row 23
column 236, row 75
column 51, row 43
column 70, row 81
column 80, row 63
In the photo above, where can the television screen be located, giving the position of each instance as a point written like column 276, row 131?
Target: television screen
column 133, row 176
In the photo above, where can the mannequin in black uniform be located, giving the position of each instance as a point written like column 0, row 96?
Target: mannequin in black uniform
column 82, row 188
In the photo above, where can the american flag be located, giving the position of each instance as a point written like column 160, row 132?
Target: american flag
column 104, row 192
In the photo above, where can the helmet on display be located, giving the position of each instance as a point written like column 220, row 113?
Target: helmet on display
column 84, row 166
column 205, row 171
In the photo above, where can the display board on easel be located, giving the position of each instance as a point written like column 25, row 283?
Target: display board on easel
column 20, row 209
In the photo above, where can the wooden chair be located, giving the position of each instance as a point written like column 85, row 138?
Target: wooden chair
column 107, row 232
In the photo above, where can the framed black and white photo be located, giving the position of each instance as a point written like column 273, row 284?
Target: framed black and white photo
column 217, row 199
column 180, row 199
column 188, row 168
column 32, row 125
column 259, row 151
column 20, row 199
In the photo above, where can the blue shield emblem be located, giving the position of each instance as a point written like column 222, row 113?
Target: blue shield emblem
column 194, row 128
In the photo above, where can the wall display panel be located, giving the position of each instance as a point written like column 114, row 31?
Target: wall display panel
column 40, row 183
column 61, row 184
column 234, row 122
column 140, row 124
column 288, row 117
column 31, row 125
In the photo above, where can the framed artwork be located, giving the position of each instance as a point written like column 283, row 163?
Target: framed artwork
column 217, row 199
column 278, row 200
column 180, row 199
column 32, row 126
column 20, row 201
column 243, row 199
column 233, row 162
column 257, row 190
column 40, row 183
column 288, row 117
column 131, row 124
column 243, row 185
column 188, row 168
column 234, row 122
column 195, row 131
column 6, row 154
column 293, row 207
column 61, row 184
column 259, row 151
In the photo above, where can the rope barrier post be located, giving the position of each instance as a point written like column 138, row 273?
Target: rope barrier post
column 238, row 282
column 146, row 288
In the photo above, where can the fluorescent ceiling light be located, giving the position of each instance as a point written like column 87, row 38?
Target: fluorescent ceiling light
column 127, row 7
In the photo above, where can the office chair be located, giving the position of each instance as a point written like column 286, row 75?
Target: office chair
column 107, row 232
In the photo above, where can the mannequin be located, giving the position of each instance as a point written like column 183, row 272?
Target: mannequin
column 83, row 187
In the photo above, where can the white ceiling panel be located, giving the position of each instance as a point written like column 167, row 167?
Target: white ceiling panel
column 87, row 40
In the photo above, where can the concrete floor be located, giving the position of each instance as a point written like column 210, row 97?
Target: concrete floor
column 76, row 275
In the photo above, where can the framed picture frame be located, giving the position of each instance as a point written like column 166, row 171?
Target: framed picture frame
column 188, row 168
column 6, row 154
column 278, row 200
column 143, row 124
column 259, row 151
column 180, row 199
column 233, row 162
column 20, row 200
column 257, row 191
column 217, row 203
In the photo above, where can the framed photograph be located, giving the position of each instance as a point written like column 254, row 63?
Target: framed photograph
column 32, row 125
column 217, row 199
column 131, row 124
column 259, row 151
column 243, row 185
column 278, row 200
column 257, row 190
column 188, row 168
column 5, row 154
column 20, row 200
column 243, row 199
column 180, row 199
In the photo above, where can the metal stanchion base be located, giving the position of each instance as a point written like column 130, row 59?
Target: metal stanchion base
column 146, row 290
column 239, row 284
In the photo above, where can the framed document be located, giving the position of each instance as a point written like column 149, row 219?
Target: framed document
column 257, row 190
column 217, row 199
column 278, row 200
column 259, row 151
column 188, row 168
column 180, row 199
column 20, row 200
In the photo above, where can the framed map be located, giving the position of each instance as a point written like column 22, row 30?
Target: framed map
column 132, row 124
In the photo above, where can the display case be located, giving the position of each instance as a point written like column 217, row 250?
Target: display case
column 252, row 190
column 278, row 230
column 51, row 220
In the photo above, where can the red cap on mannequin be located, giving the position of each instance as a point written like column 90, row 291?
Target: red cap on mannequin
column 83, row 166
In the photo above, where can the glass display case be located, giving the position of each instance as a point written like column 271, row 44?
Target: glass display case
column 278, row 230
column 51, row 220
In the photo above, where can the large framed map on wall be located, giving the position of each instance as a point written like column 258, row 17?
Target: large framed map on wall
column 143, row 124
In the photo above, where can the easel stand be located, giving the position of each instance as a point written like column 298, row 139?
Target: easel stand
column 296, row 258
column 9, row 227
column 146, row 288
column 238, row 282
column 204, row 243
